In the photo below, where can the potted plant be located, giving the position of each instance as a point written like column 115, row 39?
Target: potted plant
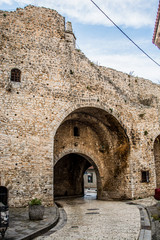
column 36, row 209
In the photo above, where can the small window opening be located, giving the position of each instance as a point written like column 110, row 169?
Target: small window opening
column 76, row 132
column 145, row 176
column 15, row 75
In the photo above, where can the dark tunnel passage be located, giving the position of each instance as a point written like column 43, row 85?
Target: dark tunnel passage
column 69, row 175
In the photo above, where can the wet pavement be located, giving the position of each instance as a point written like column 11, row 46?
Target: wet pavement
column 87, row 218
column 97, row 220
column 21, row 228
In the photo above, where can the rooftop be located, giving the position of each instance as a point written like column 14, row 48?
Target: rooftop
column 156, row 25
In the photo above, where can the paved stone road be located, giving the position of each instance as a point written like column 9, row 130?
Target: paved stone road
column 97, row 220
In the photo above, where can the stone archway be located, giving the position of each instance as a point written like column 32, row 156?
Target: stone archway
column 157, row 160
column 95, row 133
column 68, row 175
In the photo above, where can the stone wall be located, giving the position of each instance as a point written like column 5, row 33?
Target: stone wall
column 57, row 82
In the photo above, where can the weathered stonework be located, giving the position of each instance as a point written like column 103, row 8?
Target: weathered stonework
column 117, row 116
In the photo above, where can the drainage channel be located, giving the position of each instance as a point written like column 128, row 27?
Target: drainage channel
column 145, row 232
column 92, row 211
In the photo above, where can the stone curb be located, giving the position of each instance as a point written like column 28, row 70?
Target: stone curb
column 61, row 223
column 145, row 231
column 43, row 229
column 153, row 223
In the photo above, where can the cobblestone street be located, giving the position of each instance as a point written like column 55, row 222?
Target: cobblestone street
column 95, row 219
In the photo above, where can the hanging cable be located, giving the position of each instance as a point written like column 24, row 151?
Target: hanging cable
column 124, row 33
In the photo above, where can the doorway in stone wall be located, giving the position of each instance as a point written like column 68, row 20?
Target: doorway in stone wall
column 69, row 176
column 157, row 160
column 90, row 183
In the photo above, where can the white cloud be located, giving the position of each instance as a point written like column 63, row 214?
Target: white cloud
column 139, row 65
column 9, row 2
column 123, row 56
column 112, row 53
column 135, row 13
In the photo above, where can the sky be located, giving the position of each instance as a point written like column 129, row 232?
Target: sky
column 100, row 40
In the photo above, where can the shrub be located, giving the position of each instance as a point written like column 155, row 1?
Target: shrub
column 145, row 133
column 156, row 217
column 141, row 115
column 35, row 201
column 88, row 87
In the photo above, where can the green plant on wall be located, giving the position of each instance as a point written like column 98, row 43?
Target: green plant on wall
column 156, row 217
column 145, row 133
column 141, row 115
column 88, row 87
column 92, row 63
column 102, row 149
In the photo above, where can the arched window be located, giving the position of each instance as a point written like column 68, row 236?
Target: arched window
column 76, row 132
column 15, row 75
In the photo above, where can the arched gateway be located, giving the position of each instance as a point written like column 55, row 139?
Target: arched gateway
column 91, row 136
column 66, row 113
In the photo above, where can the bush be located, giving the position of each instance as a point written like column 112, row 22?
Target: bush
column 145, row 133
column 156, row 217
column 35, row 201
